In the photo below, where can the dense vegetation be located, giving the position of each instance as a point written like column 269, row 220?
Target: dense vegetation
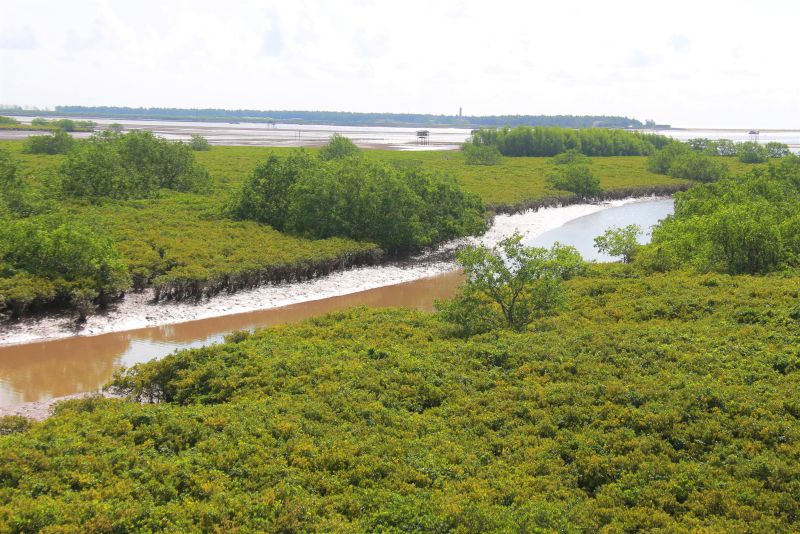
column 542, row 141
column 548, row 396
column 197, row 142
column 667, row 402
column 341, row 194
column 697, row 158
column 56, row 249
column 343, row 117
column 620, row 242
column 745, row 224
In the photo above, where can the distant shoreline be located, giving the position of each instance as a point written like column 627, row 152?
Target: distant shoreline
column 330, row 118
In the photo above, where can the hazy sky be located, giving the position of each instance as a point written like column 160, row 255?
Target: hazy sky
column 695, row 63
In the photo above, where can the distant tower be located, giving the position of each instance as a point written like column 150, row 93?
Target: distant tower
column 459, row 112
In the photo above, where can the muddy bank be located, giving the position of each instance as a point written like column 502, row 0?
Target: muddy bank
column 606, row 196
column 140, row 310
column 40, row 410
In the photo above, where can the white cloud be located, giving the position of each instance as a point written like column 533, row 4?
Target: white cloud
column 624, row 57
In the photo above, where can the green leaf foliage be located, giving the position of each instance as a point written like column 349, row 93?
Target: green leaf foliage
column 698, row 167
column 198, row 142
column 744, row 224
column 132, row 165
column 621, row 242
column 570, row 157
column 661, row 160
column 752, row 152
column 550, row 141
column 50, row 258
column 576, row 178
column 185, row 246
column 59, row 142
column 399, row 209
column 338, row 147
column 511, row 284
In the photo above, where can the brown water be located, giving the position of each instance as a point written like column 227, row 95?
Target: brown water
column 43, row 370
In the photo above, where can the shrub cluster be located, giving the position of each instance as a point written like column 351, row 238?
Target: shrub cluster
column 198, row 142
column 745, row 224
column 511, row 285
column 751, row 152
column 747, row 152
column 338, row 147
column 59, row 142
column 51, row 258
column 571, row 157
column 550, row 141
column 132, row 165
column 576, row 178
column 400, row 209
column 680, row 161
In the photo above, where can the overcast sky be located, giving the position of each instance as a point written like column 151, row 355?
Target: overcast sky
column 697, row 63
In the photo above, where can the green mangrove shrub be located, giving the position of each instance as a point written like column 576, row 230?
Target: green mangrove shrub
column 550, row 141
column 338, row 147
column 198, row 143
column 132, row 165
column 511, row 285
column 51, row 258
column 399, row 209
column 622, row 242
column 698, row 167
column 571, row 157
column 752, row 152
column 577, row 179
column 740, row 225
column 58, row 142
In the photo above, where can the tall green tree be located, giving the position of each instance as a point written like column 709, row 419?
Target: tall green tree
column 622, row 242
column 511, row 284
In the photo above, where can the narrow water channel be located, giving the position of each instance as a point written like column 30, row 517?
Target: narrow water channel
column 47, row 369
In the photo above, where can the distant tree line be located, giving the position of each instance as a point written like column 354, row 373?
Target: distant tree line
column 747, row 152
column 545, row 141
column 698, row 159
column 347, row 118
column 40, row 123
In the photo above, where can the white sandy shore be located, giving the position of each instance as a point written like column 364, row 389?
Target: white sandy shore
column 137, row 310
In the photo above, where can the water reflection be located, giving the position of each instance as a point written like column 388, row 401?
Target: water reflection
column 580, row 233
